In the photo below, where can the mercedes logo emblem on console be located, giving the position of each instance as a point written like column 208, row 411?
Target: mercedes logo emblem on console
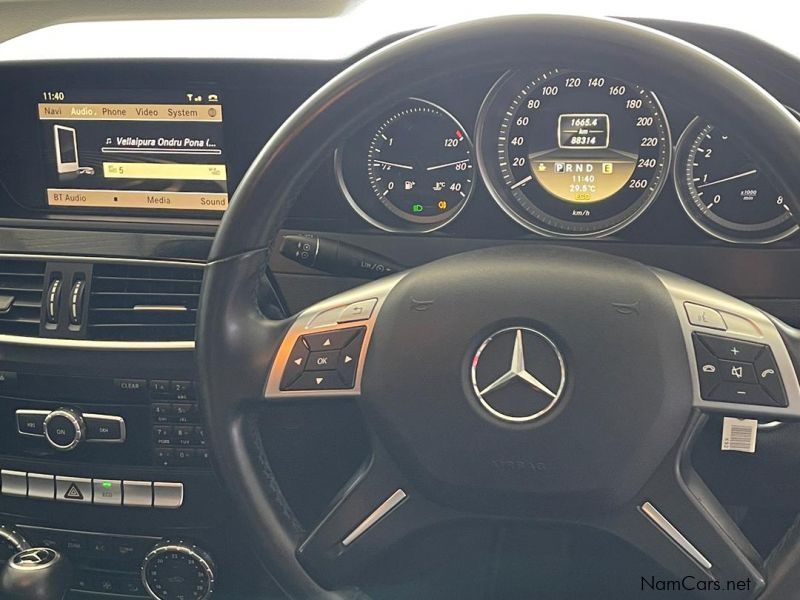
column 518, row 374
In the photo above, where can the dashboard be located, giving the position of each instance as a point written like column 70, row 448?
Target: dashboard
column 114, row 175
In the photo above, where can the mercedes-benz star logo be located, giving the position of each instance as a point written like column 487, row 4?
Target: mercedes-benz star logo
column 518, row 374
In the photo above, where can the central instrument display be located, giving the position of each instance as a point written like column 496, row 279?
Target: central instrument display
column 572, row 153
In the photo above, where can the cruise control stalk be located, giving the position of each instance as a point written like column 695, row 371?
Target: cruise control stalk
column 336, row 257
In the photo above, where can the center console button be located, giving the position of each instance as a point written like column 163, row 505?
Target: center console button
column 136, row 388
column 137, row 493
column 163, row 435
column 104, row 428
column 159, row 387
column 182, row 390
column 14, row 483
column 162, row 413
column 74, row 489
column 107, row 491
column 41, row 486
column 167, row 495
column 31, row 422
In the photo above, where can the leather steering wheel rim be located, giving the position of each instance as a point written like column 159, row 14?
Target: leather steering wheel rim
column 236, row 343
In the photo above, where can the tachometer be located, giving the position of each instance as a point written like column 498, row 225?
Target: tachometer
column 416, row 171
column 725, row 191
column 572, row 153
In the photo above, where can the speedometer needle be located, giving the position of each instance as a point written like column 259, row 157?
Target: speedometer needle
column 450, row 164
column 391, row 164
column 731, row 178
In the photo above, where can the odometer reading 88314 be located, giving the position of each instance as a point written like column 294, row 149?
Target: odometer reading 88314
column 573, row 153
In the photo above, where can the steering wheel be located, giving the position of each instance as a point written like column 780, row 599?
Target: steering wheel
column 604, row 358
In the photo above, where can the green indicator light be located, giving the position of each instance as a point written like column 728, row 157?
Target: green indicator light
column 417, row 208
column 107, row 485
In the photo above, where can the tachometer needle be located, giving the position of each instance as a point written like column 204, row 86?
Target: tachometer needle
column 731, row 178
column 391, row 164
column 450, row 164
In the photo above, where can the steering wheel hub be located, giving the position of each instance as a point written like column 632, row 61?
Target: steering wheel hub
column 518, row 374
column 555, row 373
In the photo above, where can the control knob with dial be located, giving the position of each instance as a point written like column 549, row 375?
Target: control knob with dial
column 11, row 542
column 64, row 429
column 178, row 571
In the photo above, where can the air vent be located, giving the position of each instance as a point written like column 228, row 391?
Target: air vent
column 21, row 291
column 134, row 302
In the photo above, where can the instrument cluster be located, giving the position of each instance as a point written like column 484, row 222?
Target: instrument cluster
column 564, row 153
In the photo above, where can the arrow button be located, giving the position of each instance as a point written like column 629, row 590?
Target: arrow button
column 319, row 380
column 348, row 360
column 295, row 365
column 331, row 340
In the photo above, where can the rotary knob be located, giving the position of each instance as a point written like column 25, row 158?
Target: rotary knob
column 11, row 542
column 64, row 429
column 178, row 571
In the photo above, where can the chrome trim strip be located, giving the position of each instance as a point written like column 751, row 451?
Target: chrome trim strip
column 384, row 509
column 160, row 308
column 93, row 344
column 102, row 259
column 660, row 521
column 21, row 340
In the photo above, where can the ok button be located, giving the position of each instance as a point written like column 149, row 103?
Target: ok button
column 323, row 361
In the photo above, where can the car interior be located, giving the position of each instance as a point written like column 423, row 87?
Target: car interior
column 312, row 300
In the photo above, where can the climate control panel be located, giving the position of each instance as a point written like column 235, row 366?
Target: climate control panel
column 122, row 565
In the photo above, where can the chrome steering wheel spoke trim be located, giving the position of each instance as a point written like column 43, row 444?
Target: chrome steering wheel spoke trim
column 312, row 337
column 769, row 389
column 677, row 521
column 375, row 510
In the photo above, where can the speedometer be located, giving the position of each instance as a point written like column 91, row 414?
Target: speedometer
column 572, row 153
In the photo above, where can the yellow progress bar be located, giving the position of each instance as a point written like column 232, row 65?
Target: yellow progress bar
column 126, row 170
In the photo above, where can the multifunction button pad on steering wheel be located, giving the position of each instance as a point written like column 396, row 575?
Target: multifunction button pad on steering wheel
column 737, row 371
column 324, row 361
column 740, row 360
column 324, row 350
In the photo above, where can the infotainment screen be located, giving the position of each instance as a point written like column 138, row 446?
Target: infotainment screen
column 134, row 150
